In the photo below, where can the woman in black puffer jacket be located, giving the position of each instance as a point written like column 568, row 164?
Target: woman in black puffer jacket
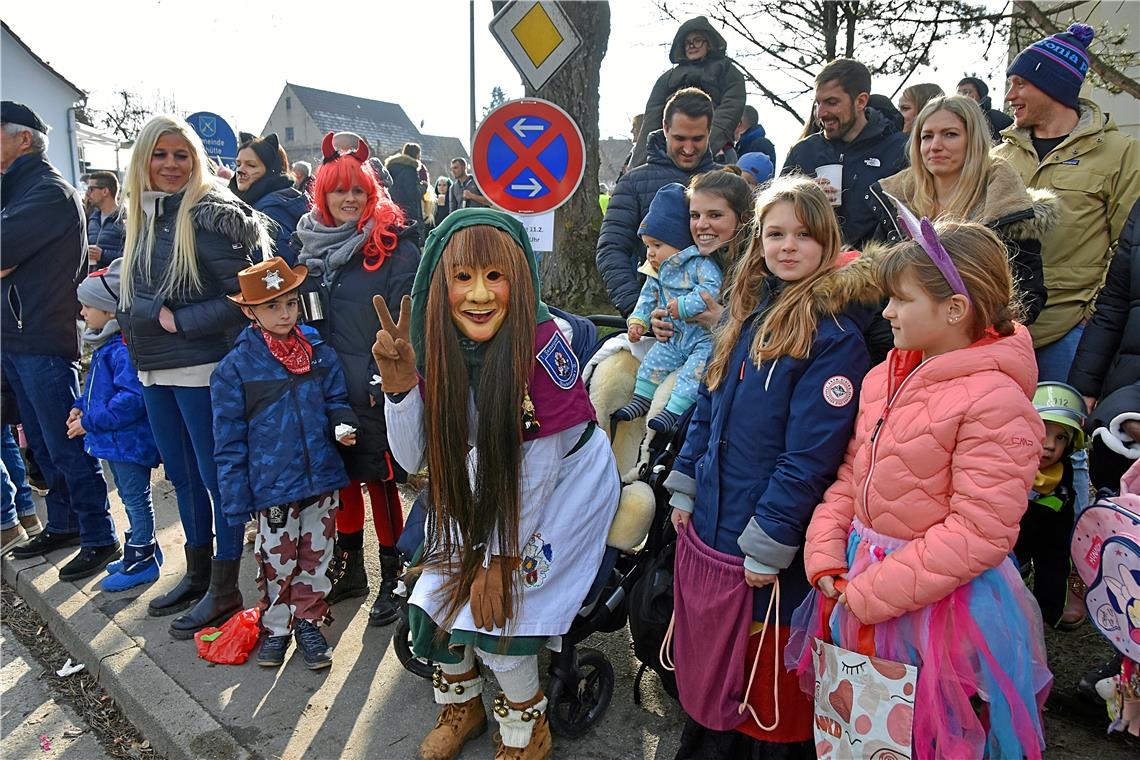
column 187, row 239
column 263, row 181
column 357, row 244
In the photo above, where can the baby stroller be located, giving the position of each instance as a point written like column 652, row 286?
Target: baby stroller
column 581, row 680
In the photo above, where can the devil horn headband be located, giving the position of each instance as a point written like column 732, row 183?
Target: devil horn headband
column 328, row 149
column 922, row 232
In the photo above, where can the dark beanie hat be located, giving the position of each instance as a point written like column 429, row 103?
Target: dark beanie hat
column 982, row 88
column 12, row 112
column 268, row 150
column 668, row 217
column 101, row 288
column 1057, row 65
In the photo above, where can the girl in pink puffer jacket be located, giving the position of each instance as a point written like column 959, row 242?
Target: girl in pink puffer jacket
column 914, row 536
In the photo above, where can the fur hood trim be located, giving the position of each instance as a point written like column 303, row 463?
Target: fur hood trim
column 227, row 216
column 1005, row 206
column 401, row 159
column 852, row 282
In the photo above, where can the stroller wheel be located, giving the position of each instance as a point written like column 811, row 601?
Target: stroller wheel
column 575, row 707
column 402, row 643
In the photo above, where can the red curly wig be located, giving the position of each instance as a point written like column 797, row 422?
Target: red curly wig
column 346, row 172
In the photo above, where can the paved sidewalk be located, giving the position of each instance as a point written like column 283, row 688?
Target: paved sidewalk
column 366, row 705
column 33, row 723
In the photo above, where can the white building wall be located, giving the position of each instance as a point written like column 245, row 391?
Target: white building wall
column 25, row 80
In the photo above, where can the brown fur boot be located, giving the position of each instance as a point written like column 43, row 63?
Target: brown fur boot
column 458, row 721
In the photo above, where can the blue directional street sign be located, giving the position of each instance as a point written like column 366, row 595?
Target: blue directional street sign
column 528, row 156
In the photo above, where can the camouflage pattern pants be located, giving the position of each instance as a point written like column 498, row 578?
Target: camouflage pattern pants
column 293, row 548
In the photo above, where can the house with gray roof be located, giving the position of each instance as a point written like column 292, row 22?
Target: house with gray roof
column 303, row 115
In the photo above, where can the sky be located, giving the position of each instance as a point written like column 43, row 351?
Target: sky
column 234, row 58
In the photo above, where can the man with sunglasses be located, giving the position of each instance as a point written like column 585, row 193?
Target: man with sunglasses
column 106, row 227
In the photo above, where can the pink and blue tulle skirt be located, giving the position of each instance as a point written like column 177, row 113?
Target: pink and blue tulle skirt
column 982, row 677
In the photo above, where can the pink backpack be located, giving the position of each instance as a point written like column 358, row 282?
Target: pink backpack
column 1106, row 554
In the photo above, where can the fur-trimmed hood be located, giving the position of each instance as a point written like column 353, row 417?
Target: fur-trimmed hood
column 852, row 283
column 1018, row 212
column 401, row 159
column 226, row 215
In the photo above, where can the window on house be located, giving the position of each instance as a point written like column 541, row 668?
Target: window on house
column 288, row 134
column 288, row 103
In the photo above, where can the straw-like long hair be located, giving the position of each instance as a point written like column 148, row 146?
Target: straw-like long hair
column 789, row 326
column 970, row 189
column 182, row 277
column 490, row 509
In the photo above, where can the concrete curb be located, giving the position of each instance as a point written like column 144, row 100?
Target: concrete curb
column 166, row 714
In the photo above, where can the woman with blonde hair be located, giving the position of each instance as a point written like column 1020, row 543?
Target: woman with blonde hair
column 914, row 99
column 186, row 241
column 952, row 176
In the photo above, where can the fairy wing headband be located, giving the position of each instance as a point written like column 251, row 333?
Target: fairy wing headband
column 922, row 232
column 337, row 144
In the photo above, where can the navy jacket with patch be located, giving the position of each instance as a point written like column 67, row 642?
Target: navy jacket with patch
column 763, row 447
column 273, row 430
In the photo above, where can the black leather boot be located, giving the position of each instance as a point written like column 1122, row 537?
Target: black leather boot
column 192, row 586
column 386, row 608
column 222, row 599
column 346, row 571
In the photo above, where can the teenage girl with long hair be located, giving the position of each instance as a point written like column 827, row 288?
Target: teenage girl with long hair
column 790, row 348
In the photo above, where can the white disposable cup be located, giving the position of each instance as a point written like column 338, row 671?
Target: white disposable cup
column 833, row 173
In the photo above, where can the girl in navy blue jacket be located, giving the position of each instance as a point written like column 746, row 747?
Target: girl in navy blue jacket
column 768, row 433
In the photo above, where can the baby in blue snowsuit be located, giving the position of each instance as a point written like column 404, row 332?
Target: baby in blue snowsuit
column 676, row 275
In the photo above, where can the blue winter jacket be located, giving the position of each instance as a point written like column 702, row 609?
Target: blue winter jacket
column 684, row 276
column 109, row 233
column 620, row 250
column 755, row 140
column 114, row 415
column 285, row 208
column 762, row 448
column 273, row 431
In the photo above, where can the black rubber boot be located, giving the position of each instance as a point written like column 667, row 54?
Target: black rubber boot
column 192, row 586
column 222, row 599
column 346, row 571
column 386, row 608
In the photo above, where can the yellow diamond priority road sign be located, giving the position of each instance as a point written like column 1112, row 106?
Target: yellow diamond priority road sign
column 537, row 37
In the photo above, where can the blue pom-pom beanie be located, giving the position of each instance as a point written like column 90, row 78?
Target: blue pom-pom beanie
column 668, row 217
column 1057, row 65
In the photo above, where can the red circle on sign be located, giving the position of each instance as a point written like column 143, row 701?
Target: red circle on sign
column 527, row 185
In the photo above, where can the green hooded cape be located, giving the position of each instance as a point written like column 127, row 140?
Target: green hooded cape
column 433, row 252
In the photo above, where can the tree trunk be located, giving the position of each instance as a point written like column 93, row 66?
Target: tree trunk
column 830, row 29
column 569, row 277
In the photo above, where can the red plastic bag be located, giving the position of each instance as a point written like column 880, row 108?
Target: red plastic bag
column 232, row 643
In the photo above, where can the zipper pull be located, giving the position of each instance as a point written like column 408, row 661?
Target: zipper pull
column 742, row 363
column 878, row 425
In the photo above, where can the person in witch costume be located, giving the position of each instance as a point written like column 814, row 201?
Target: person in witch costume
column 480, row 384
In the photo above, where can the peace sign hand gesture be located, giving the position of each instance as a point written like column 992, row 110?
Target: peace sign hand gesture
column 393, row 352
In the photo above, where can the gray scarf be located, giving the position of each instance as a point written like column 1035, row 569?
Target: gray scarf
column 96, row 339
column 324, row 250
